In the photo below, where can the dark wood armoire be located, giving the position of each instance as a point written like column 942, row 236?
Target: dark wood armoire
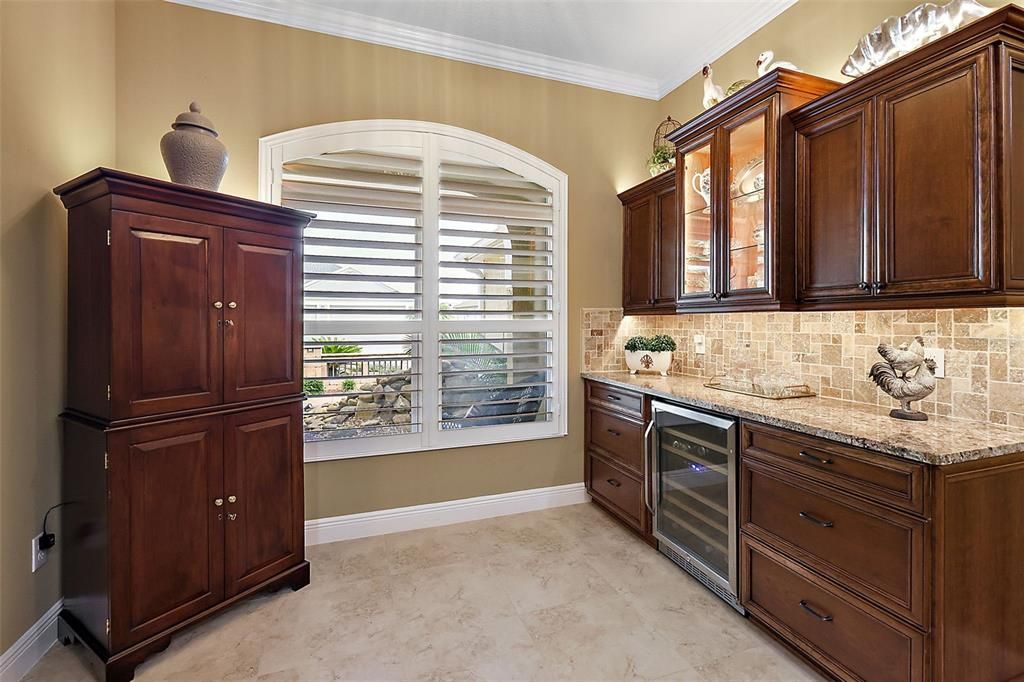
column 182, row 466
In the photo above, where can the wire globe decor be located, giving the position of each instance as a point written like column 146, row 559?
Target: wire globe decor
column 663, row 152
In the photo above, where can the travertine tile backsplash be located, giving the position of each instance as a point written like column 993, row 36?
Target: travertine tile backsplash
column 832, row 352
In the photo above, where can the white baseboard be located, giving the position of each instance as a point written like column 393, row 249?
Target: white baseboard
column 30, row 647
column 366, row 524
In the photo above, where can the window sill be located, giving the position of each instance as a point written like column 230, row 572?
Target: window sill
column 326, row 451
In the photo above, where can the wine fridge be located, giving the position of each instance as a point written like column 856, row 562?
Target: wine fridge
column 692, row 493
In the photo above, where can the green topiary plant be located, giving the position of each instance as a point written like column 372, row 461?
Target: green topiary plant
column 636, row 343
column 651, row 344
column 312, row 386
column 661, row 343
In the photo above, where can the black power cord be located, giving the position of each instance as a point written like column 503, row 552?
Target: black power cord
column 48, row 540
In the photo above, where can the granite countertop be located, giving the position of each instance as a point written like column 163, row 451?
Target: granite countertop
column 940, row 440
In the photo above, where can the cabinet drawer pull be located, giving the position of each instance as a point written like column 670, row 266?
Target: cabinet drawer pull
column 614, row 483
column 807, row 607
column 863, row 286
column 816, row 520
column 613, row 397
column 816, row 460
column 613, row 432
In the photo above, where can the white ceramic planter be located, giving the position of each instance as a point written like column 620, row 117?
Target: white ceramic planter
column 648, row 361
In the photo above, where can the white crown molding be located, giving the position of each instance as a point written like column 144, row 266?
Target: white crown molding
column 333, row 20
column 367, row 524
column 739, row 32
column 30, row 648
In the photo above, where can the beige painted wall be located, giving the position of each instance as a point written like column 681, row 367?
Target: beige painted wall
column 56, row 121
column 254, row 79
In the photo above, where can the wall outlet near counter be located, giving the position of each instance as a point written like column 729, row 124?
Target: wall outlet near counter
column 698, row 344
column 939, row 356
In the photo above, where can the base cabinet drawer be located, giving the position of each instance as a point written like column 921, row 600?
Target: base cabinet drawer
column 614, row 487
column 877, row 553
column 617, row 437
column 615, row 398
column 849, row 638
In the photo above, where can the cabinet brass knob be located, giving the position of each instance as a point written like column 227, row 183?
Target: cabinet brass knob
column 218, row 305
column 232, row 305
column 232, row 499
column 218, row 502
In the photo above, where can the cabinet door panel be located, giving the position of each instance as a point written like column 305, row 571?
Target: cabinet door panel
column 638, row 254
column 262, row 318
column 834, row 220
column 263, row 493
column 167, row 540
column 165, row 279
column 935, row 200
column 667, row 248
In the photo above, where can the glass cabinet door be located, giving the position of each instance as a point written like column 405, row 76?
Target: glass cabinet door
column 745, row 237
column 696, row 229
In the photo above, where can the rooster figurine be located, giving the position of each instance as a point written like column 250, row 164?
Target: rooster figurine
column 905, row 375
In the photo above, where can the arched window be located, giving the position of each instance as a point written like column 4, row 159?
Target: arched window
column 434, row 285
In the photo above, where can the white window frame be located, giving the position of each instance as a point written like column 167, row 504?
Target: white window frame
column 275, row 150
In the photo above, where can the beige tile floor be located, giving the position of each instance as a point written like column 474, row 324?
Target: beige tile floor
column 561, row 594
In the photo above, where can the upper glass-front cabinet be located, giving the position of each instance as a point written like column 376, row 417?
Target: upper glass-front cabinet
column 729, row 203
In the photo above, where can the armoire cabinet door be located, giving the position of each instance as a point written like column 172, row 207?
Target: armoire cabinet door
column 667, row 248
column 165, row 286
column 262, row 316
column 166, row 534
column 638, row 250
column 263, row 494
column 835, row 224
column 935, row 202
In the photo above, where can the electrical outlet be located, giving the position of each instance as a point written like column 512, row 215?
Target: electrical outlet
column 939, row 356
column 39, row 556
column 698, row 344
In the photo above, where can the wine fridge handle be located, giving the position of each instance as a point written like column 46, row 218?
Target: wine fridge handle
column 647, row 467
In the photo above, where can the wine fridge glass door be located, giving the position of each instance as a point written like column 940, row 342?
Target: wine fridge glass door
column 694, row 489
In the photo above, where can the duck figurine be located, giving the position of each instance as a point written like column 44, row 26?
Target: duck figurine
column 765, row 63
column 713, row 94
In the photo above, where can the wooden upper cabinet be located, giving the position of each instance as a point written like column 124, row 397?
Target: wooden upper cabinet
column 165, row 281
column 650, row 246
column 936, row 146
column 734, row 215
column 180, row 299
column 638, row 254
column 262, row 320
column 835, row 224
column 911, row 167
column 263, row 494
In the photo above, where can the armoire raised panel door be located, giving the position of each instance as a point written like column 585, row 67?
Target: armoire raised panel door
column 262, row 316
column 936, row 187
column 167, row 530
column 834, row 222
column 165, row 283
column 263, row 494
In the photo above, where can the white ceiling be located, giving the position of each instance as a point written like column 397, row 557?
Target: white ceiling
column 637, row 47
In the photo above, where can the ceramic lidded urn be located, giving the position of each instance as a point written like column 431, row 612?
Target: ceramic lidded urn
column 192, row 153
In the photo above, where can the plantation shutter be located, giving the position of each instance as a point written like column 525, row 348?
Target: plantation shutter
column 496, row 294
column 433, row 274
column 363, row 291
